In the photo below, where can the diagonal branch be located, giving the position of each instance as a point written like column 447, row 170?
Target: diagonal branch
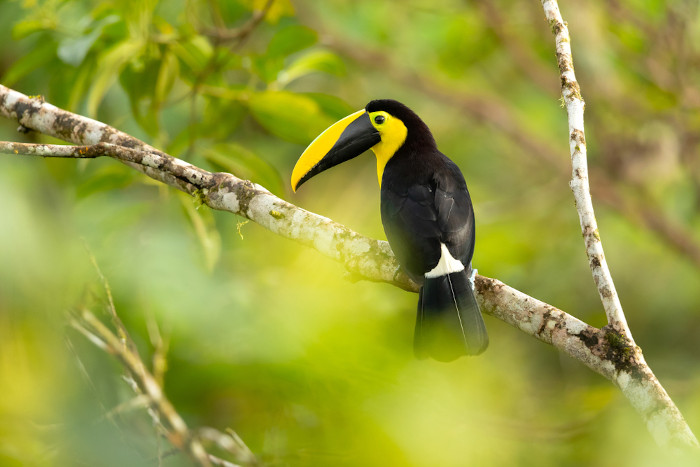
column 177, row 432
column 240, row 34
column 147, row 388
column 571, row 93
column 148, row 385
column 605, row 351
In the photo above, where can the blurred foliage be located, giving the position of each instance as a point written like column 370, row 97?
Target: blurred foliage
column 269, row 338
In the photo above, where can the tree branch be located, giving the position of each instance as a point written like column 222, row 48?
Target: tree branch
column 571, row 93
column 605, row 351
column 148, row 386
column 176, row 431
column 240, row 34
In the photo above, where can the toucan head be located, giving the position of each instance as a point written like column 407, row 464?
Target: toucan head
column 384, row 126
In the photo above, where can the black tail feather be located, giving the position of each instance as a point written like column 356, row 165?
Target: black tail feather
column 449, row 323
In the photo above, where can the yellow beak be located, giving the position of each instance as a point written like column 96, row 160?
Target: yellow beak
column 340, row 142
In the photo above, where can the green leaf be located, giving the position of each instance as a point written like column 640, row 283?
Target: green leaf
column 313, row 62
column 220, row 118
column 30, row 26
column 293, row 117
column 291, row 39
column 109, row 66
column 79, row 86
column 194, row 53
column 287, row 41
column 204, row 226
column 167, row 74
column 73, row 50
column 244, row 163
column 267, row 68
column 140, row 87
column 333, row 106
column 107, row 178
column 41, row 55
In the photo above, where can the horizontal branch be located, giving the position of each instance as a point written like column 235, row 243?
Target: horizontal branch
column 49, row 150
column 605, row 351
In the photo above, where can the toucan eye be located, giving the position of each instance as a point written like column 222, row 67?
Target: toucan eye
column 379, row 119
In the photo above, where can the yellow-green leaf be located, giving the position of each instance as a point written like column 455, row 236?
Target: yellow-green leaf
column 168, row 72
column 109, row 66
column 313, row 62
column 244, row 163
column 40, row 55
column 292, row 117
column 291, row 39
column 204, row 227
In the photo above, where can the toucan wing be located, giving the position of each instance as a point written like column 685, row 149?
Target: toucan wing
column 455, row 214
column 418, row 217
column 410, row 221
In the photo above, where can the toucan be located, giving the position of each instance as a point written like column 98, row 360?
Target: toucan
column 427, row 216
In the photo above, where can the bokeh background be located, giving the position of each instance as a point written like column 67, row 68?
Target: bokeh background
column 270, row 338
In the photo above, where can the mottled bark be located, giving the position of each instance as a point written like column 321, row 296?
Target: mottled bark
column 571, row 93
column 624, row 362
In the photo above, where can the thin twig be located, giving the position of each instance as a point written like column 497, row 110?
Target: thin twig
column 177, row 430
column 148, row 388
column 229, row 441
column 150, row 392
column 111, row 309
column 47, row 150
column 240, row 34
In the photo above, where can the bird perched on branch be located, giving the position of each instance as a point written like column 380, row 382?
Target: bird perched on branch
column 427, row 216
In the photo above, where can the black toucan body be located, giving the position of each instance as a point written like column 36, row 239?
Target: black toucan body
column 427, row 216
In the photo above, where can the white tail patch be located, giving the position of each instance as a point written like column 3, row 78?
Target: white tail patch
column 446, row 265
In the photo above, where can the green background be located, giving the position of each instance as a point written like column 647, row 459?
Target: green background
column 270, row 338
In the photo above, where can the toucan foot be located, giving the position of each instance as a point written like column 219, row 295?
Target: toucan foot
column 472, row 276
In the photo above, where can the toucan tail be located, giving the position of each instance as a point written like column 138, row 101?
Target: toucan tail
column 449, row 323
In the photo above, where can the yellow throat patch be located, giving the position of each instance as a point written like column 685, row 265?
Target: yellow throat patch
column 393, row 133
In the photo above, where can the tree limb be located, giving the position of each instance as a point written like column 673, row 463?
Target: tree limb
column 605, row 351
column 571, row 93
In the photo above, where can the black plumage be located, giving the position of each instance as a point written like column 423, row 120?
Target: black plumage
column 427, row 215
column 425, row 203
